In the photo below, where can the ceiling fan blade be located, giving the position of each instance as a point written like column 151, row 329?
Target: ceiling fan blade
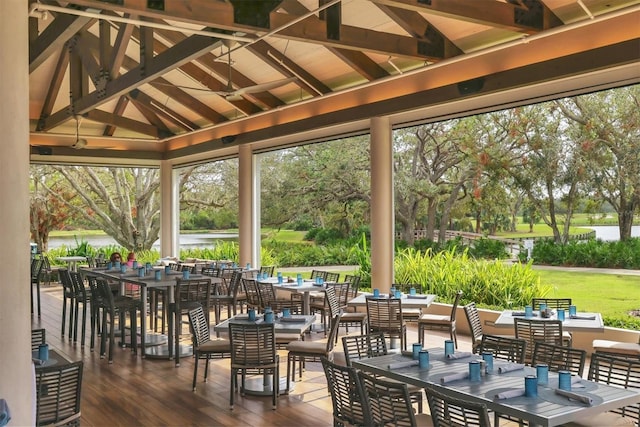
column 263, row 86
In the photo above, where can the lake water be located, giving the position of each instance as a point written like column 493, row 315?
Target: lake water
column 612, row 233
column 187, row 241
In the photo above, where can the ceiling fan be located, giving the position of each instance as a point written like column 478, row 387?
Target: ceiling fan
column 231, row 94
column 81, row 143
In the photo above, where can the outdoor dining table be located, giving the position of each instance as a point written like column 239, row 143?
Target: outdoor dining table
column 547, row 409
column 157, row 347
column 294, row 324
column 305, row 289
column 581, row 322
column 72, row 261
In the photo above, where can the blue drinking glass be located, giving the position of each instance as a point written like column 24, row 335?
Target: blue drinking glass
column 423, row 359
column 542, row 372
column 560, row 314
column 474, row 370
column 417, row 347
column 487, row 356
column 448, row 347
column 528, row 312
column 531, row 386
column 564, row 380
column 572, row 310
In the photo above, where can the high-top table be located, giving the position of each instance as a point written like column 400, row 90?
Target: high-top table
column 72, row 261
column 157, row 348
column 548, row 409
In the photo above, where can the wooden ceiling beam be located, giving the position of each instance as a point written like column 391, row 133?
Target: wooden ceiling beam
column 163, row 111
column 54, row 87
column 182, row 53
column 313, row 30
column 360, row 62
column 435, row 45
column 289, row 68
column 221, row 71
column 51, row 40
column 119, row 121
column 485, row 12
column 121, row 106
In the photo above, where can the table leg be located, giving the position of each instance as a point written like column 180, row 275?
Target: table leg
column 143, row 320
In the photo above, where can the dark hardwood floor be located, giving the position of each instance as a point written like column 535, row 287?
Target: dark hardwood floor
column 150, row 392
column 146, row 392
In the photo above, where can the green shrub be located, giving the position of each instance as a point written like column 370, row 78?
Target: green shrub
column 488, row 249
column 590, row 253
column 487, row 283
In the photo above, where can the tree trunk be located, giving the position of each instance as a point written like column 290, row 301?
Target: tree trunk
column 431, row 218
column 625, row 222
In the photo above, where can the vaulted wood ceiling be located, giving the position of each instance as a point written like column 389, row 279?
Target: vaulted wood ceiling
column 162, row 79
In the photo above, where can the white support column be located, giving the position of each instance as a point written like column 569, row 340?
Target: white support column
column 257, row 218
column 382, row 204
column 17, row 381
column 245, row 204
column 169, row 211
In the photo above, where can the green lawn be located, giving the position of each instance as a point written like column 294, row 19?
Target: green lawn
column 609, row 294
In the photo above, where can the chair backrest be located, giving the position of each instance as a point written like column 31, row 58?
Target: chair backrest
column 537, row 330
column 354, row 281
column 267, row 269
column 553, row 303
column 58, row 390
column 253, row 295
column 211, row 271
column 38, row 336
column 78, row 285
column 559, row 358
column 267, row 294
column 331, row 301
column 331, row 277
column 199, row 326
column 384, row 314
column 505, row 348
column 252, row 345
column 350, row 403
column 357, row 347
column 620, row 372
column 67, row 283
column 235, row 284
column 193, row 290
column 454, row 308
column 389, row 401
column 96, row 296
column 104, row 294
column 446, row 410
column 318, row 273
column 341, row 293
column 475, row 324
column 36, row 268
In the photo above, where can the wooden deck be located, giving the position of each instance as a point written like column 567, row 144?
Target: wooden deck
column 146, row 392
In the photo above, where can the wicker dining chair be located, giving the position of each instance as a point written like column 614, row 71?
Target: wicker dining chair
column 537, row 330
column 38, row 336
column 58, row 391
column 349, row 401
column 505, row 348
column 188, row 294
column 559, row 358
column 447, row 410
column 253, row 351
column 440, row 322
column 385, row 315
column 390, row 402
column 372, row 345
column 203, row 346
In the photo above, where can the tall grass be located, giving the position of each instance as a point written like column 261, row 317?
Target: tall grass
column 488, row 283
